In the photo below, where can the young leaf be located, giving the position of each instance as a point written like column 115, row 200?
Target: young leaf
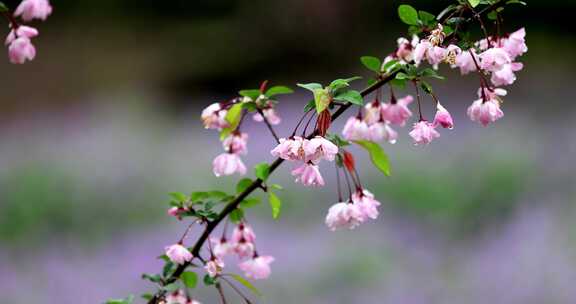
column 208, row 280
column 170, row 287
column 233, row 118
column 190, row 279
column 277, row 90
column 243, row 184
column 181, row 197
column 474, row 3
column 342, row 83
column 236, row 216
column 408, row 14
column 277, row 187
column 275, row 204
column 372, row 63
column 250, row 202
column 253, row 94
column 390, row 65
column 427, row 18
column 246, row 284
column 154, row 278
column 350, row 96
column 377, row 155
column 310, row 86
column 322, row 99
column 262, row 171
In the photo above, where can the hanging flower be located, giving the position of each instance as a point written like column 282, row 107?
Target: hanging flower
column 258, row 267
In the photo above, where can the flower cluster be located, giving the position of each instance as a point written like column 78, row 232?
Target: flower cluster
column 308, row 152
column 361, row 207
column 242, row 243
column 19, row 39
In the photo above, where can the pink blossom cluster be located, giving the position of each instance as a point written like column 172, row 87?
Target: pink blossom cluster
column 361, row 207
column 307, row 152
column 268, row 110
column 20, row 47
column 180, row 297
column 241, row 244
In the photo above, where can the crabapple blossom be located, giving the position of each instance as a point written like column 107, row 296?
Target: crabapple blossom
column 424, row 132
column 309, row 175
column 515, row 44
column 420, row 51
column 466, row 61
column 494, row 59
column 214, row 267
column 20, row 50
column 221, row 247
column 505, row 75
column 21, row 31
column 485, row 111
column 178, row 254
column 355, row 129
column 443, row 117
column 397, row 111
column 289, row 149
column 176, row 297
column 373, row 112
column 177, row 212
column 245, row 232
column 258, row 267
column 244, row 248
column 228, row 164
column 382, row 131
column 366, row 204
column 344, row 215
column 33, row 9
column 270, row 114
column 236, row 143
column 214, row 117
column 319, row 148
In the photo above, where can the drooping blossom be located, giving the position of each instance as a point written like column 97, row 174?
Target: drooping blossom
column 21, row 31
column 176, row 297
column 20, row 50
column 443, row 117
column 221, row 247
column 494, row 59
column 236, row 143
column 423, row 132
column 355, row 129
column 405, row 48
column 505, row 75
column 420, row 51
column 33, row 9
column 290, row 149
column 319, row 148
column 192, row 301
column 373, row 112
column 243, row 231
column 214, row 117
column 177, row 212
column 309, row 175
column 485, row 111
column 515, row 43
column 214, row 267
column 397, row 111
column 382, row 131
column 344, row 215
column 366, row 204
column 244, row 248
column 257, row 268
column 466, row 61
column 178, row 254
column 228, row 164
column 270, row 114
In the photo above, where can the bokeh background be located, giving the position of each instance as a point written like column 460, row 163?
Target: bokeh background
column 104, row 123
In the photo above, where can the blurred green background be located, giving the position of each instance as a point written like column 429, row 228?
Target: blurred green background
column 105, row 122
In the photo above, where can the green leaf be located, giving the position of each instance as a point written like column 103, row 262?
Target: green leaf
column 154, row 278
column 399, row 83
column 401, row 76
column 372, row 63
column 350, row 96
column 236, row 216
column 190, row 279
column 408, row 14
column 262, row 171
column 127, row 300
column 250, row 202
column 377, row 155
column 147, row 296
column 233, row 118
column 342, row 83
column 167, row 269
column 322, row 99
column 516, row 2
column 277, row 90
column 426, row 87
column 390, row 65
column 275, row 204
column 218, row 195
column 3, row 8
column 474, row 3
column 428, row 72
column 243, row 184
column 181, row 197
column 208, row 280
column 310, row 86
column 427, row 18
column 253, row 94
column 171, row 287
column 198, row 196
column 337, row 140
column 246, row 284
column 277, row 187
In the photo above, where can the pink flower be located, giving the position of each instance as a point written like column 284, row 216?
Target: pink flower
column 397, row 113
column 214, row 267
column 443, row 117
column 33, row 9
column 21, row 31
column 290, row 149
column 309, row 175
column 515, row 44
column 244, row 249
column 319, row 148
column 494, row 59
column 176, row 297
column 366, row 204
column 221, row 247
column 355, row 129
column 344, row 215
column 465, row 61
column 214, row 117
column 405, row 48
column 424, row 133
column 236, row 143
column 270, row 115
column 228, row 164
column 485, row 112
column 382, row 131
column 436, row 55
column 178, row 254
column 421, row 50
column 20, row 50
column 372, row 112
column 257, row 268
column 505, row 76
column 243, row 232
column 177, row 212
column 491, row 93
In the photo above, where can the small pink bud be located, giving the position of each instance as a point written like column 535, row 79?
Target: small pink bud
column 443, row 118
